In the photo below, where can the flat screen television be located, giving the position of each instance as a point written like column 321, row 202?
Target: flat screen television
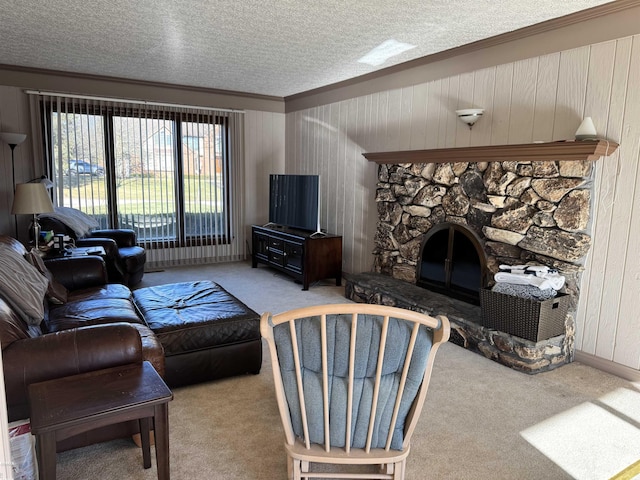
column 294, row 201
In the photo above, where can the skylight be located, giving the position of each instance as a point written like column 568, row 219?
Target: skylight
column 384, row 51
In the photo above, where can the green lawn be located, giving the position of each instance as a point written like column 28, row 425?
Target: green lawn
column 143, row 196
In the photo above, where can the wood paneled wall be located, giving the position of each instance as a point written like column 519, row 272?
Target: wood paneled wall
column 538, row 99
column 14, row 118
column 264, row 154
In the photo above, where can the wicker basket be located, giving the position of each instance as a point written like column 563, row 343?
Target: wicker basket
column 529, row 319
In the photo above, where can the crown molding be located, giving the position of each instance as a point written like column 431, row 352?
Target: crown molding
column 146, row 83
column 75, row 83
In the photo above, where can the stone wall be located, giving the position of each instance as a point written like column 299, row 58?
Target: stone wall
column 523, row 212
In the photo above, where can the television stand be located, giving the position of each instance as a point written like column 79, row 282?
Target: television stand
column 305, row 256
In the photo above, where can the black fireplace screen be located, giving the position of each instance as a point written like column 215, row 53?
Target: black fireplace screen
column 453, row 263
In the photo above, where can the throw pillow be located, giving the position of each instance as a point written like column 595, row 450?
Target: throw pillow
column 56, row 292
column 22, row 285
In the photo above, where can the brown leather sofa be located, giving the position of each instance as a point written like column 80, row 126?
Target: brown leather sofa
column 191, row 332
column 97, row 327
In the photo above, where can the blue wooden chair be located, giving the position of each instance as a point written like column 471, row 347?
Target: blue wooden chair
column 350, row 382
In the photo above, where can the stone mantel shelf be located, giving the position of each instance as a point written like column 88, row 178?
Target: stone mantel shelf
column 562, row 150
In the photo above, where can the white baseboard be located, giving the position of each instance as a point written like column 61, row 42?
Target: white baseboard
column 608, row 366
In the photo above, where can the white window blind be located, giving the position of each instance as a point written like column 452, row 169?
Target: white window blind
column 173, row 174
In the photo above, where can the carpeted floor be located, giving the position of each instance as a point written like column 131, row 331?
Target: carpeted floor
column 481, row 420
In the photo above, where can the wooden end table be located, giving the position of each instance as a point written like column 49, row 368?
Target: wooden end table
column 68, row 406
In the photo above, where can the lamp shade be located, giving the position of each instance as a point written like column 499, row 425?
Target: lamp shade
column 31, row 198
column 13, row 138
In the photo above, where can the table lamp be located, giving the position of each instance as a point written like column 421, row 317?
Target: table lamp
column 32, row 199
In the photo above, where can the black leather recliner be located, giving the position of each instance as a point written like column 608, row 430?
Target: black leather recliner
column 124, row 258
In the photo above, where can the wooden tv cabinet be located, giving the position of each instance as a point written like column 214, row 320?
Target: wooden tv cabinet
column 297, row 253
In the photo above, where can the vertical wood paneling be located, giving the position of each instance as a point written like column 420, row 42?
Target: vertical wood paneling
column 502, row 105
column 348, row 228
column 341, row 184
column 484, row 81
column 369, row 179
column 394, row 111
column 598, row 330
column 331, row 201
column 361, row 197
column 627, row 342
column 264, row 154
column 418, row 118
column 542, row 98
column 404, row 119
column 448, row 114
column 628, row 327
column 290, row 139
column 253, row 213
column 599, row 88
column 607, row 175
column 7, row 107
column 311, row 126
column 523, row 100
column 14, row 118
column 307, row 146
column 372, row 139
column 434, row 106
column 297, row 161
column 382, row 121
column 445, row 104
column 327, row 165
column 572, row 78
column 370, row 182
column 545, row 102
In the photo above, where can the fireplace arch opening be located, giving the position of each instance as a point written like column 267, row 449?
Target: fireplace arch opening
column 453, row 262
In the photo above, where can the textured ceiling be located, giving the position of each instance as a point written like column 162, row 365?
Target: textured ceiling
column 269, row 47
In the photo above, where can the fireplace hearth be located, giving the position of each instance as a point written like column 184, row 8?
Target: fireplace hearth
column 447, row 227
column 466, row 329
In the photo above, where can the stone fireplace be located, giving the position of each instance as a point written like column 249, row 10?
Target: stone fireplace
column 448, row 226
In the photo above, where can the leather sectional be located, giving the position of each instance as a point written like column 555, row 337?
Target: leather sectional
column 196, row 329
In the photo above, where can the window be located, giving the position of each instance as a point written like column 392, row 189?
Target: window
column 164, row 174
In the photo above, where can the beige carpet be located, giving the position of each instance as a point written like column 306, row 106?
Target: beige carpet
column 481, row 420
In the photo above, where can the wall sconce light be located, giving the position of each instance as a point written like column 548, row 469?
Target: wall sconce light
column 470, row 115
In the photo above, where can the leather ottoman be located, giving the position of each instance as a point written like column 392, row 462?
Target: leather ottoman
column 206, row 332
